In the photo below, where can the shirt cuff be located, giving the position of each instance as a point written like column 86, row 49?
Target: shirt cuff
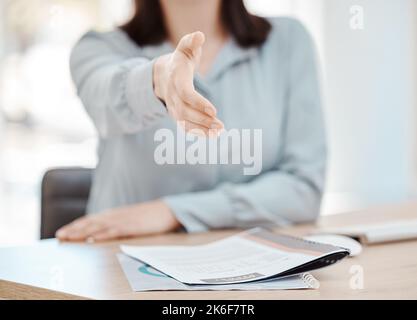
column 201, row 211
column 140, row 93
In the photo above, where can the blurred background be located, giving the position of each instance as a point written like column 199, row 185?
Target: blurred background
column 368, row 54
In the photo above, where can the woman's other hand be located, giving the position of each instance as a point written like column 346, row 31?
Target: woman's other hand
column 174, row 85
column 138, row 220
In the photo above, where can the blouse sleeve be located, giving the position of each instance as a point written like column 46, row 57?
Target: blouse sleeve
column 116, row 90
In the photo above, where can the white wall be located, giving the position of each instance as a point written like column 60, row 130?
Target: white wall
column 112, row 15
column 308, row 11
column 370, row 103
column 2, row 51
column 370, row 96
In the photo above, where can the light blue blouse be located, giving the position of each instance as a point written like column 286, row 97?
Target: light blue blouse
column 274, row 88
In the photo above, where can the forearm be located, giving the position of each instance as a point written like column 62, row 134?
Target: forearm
column 275, row 198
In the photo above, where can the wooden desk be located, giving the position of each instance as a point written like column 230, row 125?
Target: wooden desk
column 50, row 270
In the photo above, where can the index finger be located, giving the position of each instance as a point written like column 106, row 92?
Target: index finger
column 73, row 227
column 196, row 101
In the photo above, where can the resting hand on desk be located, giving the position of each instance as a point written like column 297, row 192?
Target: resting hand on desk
column 138, row 220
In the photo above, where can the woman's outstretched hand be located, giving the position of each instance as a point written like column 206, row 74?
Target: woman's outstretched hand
column 138, row 220
column 173, row 84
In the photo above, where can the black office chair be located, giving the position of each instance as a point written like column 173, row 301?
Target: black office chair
column 64, row 198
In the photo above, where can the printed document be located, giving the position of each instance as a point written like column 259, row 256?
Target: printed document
column 254, row 255
column 143, row 278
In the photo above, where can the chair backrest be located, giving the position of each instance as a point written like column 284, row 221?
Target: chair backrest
column 65, row 193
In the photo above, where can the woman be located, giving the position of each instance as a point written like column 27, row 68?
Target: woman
column 238, row 71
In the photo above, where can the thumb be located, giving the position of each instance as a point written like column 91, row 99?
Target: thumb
column 191, row 44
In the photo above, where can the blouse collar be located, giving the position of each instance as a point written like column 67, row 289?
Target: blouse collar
column 230, row 55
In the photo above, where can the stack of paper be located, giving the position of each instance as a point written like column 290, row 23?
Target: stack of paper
column 142, row 277
column 253, row 260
